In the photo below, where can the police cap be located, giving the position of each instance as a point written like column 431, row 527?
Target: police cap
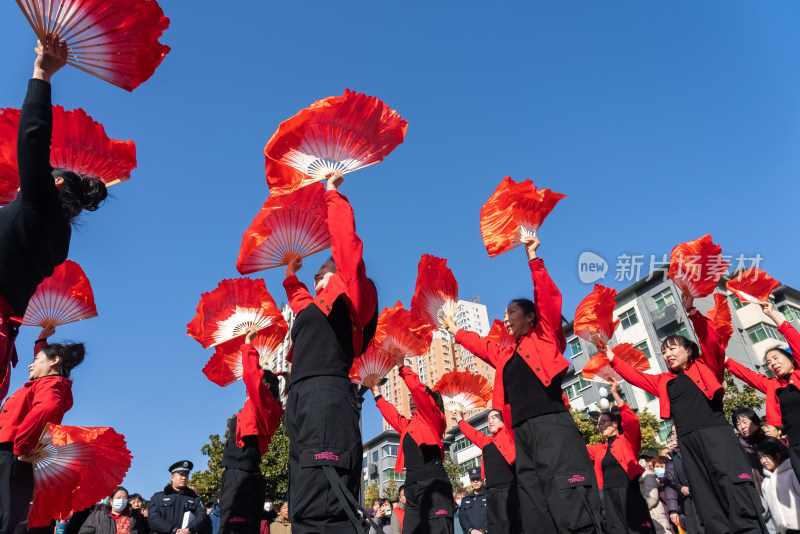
column 183, row 466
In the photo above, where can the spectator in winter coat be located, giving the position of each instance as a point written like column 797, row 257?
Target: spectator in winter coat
column 281, row 525
column 113, row 518
column 748, row 426
column 781, row 489
column 459, row 496
column 648, row 484
column 383, row 518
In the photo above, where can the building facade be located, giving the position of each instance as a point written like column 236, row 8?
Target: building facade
column 380, row 455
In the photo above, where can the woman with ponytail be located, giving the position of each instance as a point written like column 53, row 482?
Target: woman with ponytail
column 44, row 399
column 35, row 228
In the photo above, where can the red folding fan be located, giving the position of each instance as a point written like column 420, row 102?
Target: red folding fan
column 233, row 307
column 401, row 333
column 372, row 366
column 115, row 41
column 598, row 368
column 288, row 227
column 79, row 144
column 464, row 391
column 282, row 179
column 499, row 334
column 436, row 291
column 225, row 366
column 514, row 210
column 343, row 133
column 697, row 266
column 73, row 468
column 753, row 285
column 594, row 319
column 64, row 297
column 720, row 316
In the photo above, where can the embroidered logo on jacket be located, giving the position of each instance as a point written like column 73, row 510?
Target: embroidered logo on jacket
column 577, row 478
column 441, row 512
column 745, row 476
column 326, row 456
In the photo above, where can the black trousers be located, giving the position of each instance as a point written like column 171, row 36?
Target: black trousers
column 626, row 510
column 720, row 479
column 322, row 421
column 16, row 490
column 794, row 458
column 241, row 501
column 502, row 510
column 556, row 480
column 429, row 507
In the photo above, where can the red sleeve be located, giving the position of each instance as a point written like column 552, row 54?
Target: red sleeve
column 425, row 403
column 631, row 429
column 749, row 377
column 641, row 380
column 711, row 351
column 48, row 405
column 482, row 347
column 392, row 416
column 547, row 299
column 297, row 293
column 593, row 450
column 252, row 374
column 475, row 436
column 792, row 337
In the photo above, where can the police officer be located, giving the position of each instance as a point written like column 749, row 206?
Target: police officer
column 473, row 506
column 177, row 509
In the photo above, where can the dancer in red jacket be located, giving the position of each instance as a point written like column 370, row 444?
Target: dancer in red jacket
column 557, row 486
column 691, row 394
column 497, row 468
column 322, row 413
column 44, row 399
column 429, row 494
column 616, row 464
column 249, row 434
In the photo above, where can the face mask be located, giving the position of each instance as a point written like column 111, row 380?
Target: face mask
column 458, row 502
column 267, row 506
column 119, row 504
column 659, row 472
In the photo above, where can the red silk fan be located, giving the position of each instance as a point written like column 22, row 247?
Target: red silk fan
column 64, row 297
column 500, row 335
column 598, row 368
column 73, row 468
column 283, row 179
column 594, row 319
column 233, row 307
column 436, row 291
column 720, row 316
column 401, row 333
column 372, row 366
column 464, row 391
column 79, row 144
column 697, row 266
column 288, row 227
column 115, row 41
column 753, row 285
column 514, row 210
column 343, row 133
column 225, row 366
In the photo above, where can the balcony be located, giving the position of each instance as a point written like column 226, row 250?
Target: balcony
column 665, row 317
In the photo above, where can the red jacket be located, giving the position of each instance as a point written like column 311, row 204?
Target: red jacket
column 542, row 347
column 706, row 371
column 503, row 440
column 770, row 386
column 261, row 414
column 350, row 279
column 625, row 449
column 426, row 426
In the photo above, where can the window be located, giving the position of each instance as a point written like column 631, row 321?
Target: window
column 790, row 313
column 737, row 304
column 583, row 384
column 762, row 331
column 628, row 318
column 649, row 396
column 572, row 390
column 575, row 347
column 389, row 450
column 664, row 429
column 364, row 463
column 663, row 298
column 374, row 456
column 390, row 473
column 643, row 347
column 462, row 443
column 469, row 464
column 679, row 331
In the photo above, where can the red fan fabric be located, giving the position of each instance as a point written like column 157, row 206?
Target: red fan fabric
column 79, row 144
column 342, row 133
column 288, row 227
column 283, row 179
column 753, row 285
column 64, row 297
column 499, row 334
column 514, row 210
column 115, row 41
column 464, row 391
column 229, row 310
column 697, row 266
column 436, row 290
column 74, row 467
column 594, row 318
column 720, row 317
column 401, row 333
column 225, row 366
column 598, row 369
column 372, row 366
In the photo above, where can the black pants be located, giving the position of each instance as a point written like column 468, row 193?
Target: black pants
column 429, row 507
column 322, row 421
column 16, row 490
column 626, row 510
column 241, row 501
column 794, row 458
column 556, row 480
column 502, row 510
column 721, row 482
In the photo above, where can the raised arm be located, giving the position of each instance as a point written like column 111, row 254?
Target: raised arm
column 547, row 299
column 471, row 433
column 251, row 371
column 482, row 347
column 389, row 412
column 648, row 383
column 631, row 429
column 784, row 327
column 748, row 376
column 711, row 351
column 297, row 293
column 426, row 406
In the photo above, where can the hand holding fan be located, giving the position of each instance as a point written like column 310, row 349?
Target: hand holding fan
column 753, row 285
column 594, row 319
column 64, row 297
column 598, row 368
column 499, row 334
column 401, row 333
column 436, row 291
column 225, row 366
column 233, row 307
column 696, row 266
column 372, row 366
column 464, row 391
column 720, row 316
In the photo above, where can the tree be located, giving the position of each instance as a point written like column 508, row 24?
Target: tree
column 587, row 426
column 736, row 397
column 371, row 493
column 650, row 426
column 453, row 472
column 390, row 491
column 209, row 481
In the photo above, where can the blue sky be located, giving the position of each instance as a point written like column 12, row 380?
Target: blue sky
column 661, row 121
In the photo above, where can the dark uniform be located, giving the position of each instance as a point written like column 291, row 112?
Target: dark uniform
column 473, row 507
column 173, row 509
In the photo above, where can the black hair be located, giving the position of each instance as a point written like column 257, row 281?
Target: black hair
column 437, row 398
column 745, row 412
column 615, row 417
column 681, row 341
column 146, row 504
column 271, row 380
column 400, row 490
column 528, row 307
column 778, row 348
column 80, row 192
column 133, row 496
column 70, row 354
column 384, row 501
column 499, row 414
column 119, row 488
column 269, row 496
column 773, row 447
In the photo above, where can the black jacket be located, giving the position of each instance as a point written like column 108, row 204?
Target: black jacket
column 168, row 507
column 473, row 512
column 101, row 522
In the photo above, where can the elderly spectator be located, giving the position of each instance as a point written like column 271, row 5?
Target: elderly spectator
column 281, row 525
